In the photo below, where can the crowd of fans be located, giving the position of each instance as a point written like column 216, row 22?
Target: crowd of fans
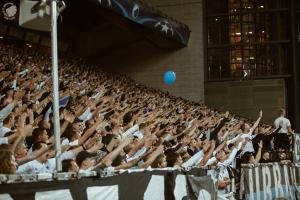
column 109, row 121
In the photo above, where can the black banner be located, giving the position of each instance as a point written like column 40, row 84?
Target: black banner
column 135, row 185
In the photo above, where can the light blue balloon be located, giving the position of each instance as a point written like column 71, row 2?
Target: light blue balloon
column 169, row 77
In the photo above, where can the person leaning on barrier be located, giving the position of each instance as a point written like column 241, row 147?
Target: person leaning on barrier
column 69, row 166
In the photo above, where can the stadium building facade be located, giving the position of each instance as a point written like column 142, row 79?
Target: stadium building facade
column 252, row 56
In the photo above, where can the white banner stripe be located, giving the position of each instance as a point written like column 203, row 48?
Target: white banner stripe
column 54, row 195
column 103, row 192
column 180, row 187
column 156, row 188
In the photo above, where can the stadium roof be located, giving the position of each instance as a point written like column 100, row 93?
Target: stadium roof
column 119, row 23
column 141, row 13
column 94, row 28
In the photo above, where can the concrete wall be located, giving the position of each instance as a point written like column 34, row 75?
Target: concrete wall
column 146, row 63
column 246, row 98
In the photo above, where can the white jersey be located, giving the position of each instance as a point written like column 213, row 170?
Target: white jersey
column 284, row 123
column 4, row 130
column 35, row 167
column 32, row 167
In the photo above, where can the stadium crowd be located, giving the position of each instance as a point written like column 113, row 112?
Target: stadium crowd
column 109, row 121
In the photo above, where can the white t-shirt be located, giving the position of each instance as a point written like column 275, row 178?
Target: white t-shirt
column 229, row 160
column 138, row 154
column 284, row 123
column 211, row 161
column 139, row 135
column 35, row 167
column 193, row 160
column 85, row 170
column 4, row 140
column 67, row 142
column 249, row 145
column 87, row 115
column 32, row 167
column 51, row 163
column 4, row 130
column 248, row 148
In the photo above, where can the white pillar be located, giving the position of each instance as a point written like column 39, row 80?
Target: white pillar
column 55, row 84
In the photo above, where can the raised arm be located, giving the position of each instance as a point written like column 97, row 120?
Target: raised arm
column 221, row 146
column 108, row 159
column 128, row 164
column 139, row 145
column 258, row 155
column 208, row 153
column 233, row 154
column 159, row 150
column 257, row 121
column 90, row 131
column 214, row 133
column 34, row 155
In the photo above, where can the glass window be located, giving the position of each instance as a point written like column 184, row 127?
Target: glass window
column 218, row 63
column 248, row 4
column 271, row 26
column 248, row 27
column 217, row 7
column 272, row 59
column 234, row 6
column 235, row 29
column 249, row 55
column 236, row 61
column 272, row 4
column 218, row 30
column 255, row 41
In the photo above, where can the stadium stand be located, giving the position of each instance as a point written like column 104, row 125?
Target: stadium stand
column 110, row 121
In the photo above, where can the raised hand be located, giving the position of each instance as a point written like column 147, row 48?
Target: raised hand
column 68, row 116
column 127, row 141
column 90, row 143
column 226, row 114
column 260, row 144
column 260, row 113
column 26, row 131
column 159, row 149
column 149, row 141
column 18, row 95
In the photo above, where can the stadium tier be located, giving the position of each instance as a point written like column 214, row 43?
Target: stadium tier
column 109, row 121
